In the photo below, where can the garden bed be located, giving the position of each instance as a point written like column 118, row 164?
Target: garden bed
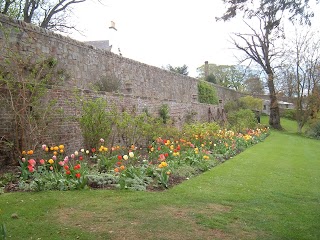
column 167, row 163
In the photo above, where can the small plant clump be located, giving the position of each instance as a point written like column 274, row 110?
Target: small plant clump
column 156, row 166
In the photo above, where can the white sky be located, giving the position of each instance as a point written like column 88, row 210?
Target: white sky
column 160, row 32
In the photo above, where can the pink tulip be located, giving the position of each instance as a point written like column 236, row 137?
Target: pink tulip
column 42, row 162
column 32, row 162
column 30, row 168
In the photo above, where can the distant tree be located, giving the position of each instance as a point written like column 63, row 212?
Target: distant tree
column 230, row 76
column 181, row 70
column 48, row 14
column 211, row 78
column 254, row 85
column 303, row 64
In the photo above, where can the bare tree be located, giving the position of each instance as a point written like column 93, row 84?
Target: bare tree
column 304, row 65
column 259, row 47
column 49, row 14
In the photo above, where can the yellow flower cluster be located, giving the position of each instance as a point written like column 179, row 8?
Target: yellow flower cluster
column 205, row 157
column 163, row 164
column 176, row 154
column 247, row 137
column 103, row 149
column 196, row 150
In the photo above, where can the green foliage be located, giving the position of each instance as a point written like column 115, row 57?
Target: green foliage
column 211, row 78
column 207, row 93
column 249, row 102
column 135, row 178
column 288, row 113
column 164, row 113
column 242, row 120
column 96, row 122
column 314, row 130
column 7, row 178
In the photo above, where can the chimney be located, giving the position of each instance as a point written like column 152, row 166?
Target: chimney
column 206, row 69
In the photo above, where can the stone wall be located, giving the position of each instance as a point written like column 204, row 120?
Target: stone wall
column 128, row 83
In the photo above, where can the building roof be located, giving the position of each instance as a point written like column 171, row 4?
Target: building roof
column 103, row 44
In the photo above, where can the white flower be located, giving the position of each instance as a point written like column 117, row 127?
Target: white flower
column 125, row 157
column 101, row 140
column 87, row 152
column 131, row 154
column 82, row 150
column 76, row 153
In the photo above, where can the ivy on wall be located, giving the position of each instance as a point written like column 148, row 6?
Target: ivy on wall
column 207, row 93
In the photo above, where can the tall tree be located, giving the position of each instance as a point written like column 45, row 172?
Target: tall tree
column 258, row 45
column 48, row 14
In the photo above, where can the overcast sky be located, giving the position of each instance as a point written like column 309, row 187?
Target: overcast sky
column 161, row 32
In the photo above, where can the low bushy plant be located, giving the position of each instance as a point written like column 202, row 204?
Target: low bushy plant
column 96, row 122
column 289, row 114
column 314, row 130
column 242, row 120
column 164, row 113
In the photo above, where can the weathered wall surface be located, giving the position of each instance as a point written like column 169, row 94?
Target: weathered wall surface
column 137, row 85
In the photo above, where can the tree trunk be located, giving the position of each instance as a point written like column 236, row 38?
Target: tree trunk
column 274, row 118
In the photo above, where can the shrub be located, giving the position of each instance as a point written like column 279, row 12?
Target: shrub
column 247, row 102
column 164, row 113
column 288, row 113
column 314, row 130
column 207, row 93
column 242, row 120
column 95, row 121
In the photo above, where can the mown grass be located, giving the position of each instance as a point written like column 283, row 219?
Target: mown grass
column 270, row 191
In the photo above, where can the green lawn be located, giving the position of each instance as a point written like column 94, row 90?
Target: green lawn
column 270, row 191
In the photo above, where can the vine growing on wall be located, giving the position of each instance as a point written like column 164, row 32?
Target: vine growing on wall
column 24, row 80
column 207, row 93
